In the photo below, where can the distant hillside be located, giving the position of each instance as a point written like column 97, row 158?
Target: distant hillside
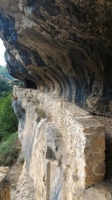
column 3, row 78
column 4, row 73
column 5, row 88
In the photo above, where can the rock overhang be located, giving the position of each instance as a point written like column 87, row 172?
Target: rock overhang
column 63, row 47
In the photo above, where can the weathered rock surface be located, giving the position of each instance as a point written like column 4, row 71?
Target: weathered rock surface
column 24, row 189
column 4, row 184
column 63, row 47
column 63, row 147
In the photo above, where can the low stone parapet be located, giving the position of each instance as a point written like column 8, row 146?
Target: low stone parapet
column 94, row 150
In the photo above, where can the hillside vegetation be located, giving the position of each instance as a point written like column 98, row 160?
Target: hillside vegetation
column 9, row 150
column 5, row 89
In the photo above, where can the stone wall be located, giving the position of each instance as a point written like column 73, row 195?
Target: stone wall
column 62, row 144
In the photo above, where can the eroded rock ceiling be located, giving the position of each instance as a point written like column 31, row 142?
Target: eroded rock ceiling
column 60, row 46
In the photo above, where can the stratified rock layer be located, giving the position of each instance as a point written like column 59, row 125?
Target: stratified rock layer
column 62, row 47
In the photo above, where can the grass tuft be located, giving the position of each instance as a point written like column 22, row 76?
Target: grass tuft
column 41, row 114
column 21, row 161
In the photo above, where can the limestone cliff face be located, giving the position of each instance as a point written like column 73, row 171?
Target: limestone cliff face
column 63, row 47
column 62, row 51
column 63, row 147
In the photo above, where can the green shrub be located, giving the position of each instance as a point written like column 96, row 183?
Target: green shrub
column 41, row 114
column 9, row 150
column 21, row 161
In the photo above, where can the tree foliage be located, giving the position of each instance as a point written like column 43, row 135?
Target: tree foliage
column 5, row 89
column 9, row 144
column 8, row 120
